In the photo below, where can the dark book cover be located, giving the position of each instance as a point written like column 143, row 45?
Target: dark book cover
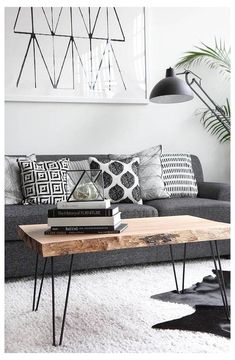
column 85, row 230
column 83, row 212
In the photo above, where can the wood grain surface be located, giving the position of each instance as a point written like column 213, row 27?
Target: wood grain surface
column 142, row 232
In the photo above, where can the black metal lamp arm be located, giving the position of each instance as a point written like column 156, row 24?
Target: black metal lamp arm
column 221, row 116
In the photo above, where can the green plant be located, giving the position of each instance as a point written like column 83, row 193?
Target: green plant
column 213, row 125
column 215, row 58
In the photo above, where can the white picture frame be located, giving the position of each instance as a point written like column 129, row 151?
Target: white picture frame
column 123, row 64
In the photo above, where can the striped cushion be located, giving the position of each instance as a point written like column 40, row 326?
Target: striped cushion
column 13, row 193
column 73, row 177
column 79, row 165
column 178, row 175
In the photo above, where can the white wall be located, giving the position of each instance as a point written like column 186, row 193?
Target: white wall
column 47, row 128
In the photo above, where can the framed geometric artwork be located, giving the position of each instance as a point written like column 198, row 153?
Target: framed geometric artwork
column 82, row 54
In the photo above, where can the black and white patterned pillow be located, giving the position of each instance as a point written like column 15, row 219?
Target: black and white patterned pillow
column 150, row 172
column 43, row 182
column 121, row 182
column 178, row 175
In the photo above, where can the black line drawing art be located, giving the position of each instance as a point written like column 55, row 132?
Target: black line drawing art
column 88, row 20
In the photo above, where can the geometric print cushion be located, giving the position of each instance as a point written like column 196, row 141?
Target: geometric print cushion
column 178, row 175
column 13, row 193
column 150, row 172
column 43, row 182
column 120, row 177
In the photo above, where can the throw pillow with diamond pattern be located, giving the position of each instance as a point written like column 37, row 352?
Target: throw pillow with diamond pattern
column 121, row 182
column 43, row 182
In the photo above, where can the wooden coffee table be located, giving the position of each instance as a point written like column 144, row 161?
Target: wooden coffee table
column 143, row 232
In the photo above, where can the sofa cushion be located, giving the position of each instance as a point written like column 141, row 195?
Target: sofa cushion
column 79, row 165
column 178, row 175
column 75, row 173
column 206, row 208
column 44, row 182
column 120, row 178
column 150, row 172
column 13, row 193
column 23, row 214
column 37, row 214
column 197, row 168
column 129, row 211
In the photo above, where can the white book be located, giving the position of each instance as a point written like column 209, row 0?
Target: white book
column 102, row 204
column 85, row 221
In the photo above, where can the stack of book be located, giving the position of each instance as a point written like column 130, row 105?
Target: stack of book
column 84, row 217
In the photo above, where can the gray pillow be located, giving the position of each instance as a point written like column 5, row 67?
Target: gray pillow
column 13, row 193
column 72, row 178
column 79, row 165
column 150, row 172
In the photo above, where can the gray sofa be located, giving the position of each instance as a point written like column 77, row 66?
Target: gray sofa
column 213, row 202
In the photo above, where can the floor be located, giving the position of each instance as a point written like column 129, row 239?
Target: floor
column 109, row 311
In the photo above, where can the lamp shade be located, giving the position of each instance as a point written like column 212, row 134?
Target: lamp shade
column 171, row 90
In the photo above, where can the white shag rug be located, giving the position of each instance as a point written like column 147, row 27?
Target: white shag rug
column 108, row 311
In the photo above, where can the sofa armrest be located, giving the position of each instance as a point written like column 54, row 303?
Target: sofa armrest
column 214, row 190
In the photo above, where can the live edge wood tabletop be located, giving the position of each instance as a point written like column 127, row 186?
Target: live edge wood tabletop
column 141, row 232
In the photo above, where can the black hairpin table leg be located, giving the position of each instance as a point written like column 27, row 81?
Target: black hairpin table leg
column 41, row 284
column 53, row 300
column 183, row 277
column 66, row 300
column 220, row 278
column 35, row 282
column 174, row 270
column 35, row 308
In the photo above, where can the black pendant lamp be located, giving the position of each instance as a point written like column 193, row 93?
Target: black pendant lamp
column 171, row 89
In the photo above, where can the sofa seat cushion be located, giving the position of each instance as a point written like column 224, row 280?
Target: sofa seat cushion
column 23, row 214
column 37, row 214
column 130, row 211
column 205, row 208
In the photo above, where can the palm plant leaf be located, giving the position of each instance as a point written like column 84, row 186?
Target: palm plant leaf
column 216, row 127
column 217, row 58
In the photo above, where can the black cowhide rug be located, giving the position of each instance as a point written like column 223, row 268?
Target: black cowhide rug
column 205, row 297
